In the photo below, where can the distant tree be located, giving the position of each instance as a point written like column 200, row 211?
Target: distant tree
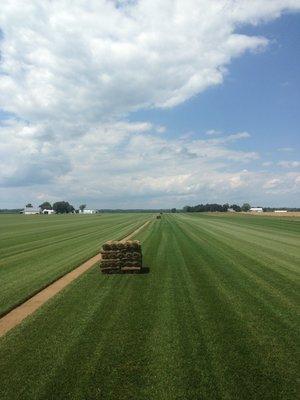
column 173, row 210
column 225, row 207
column 63, row 207
column 235, row 207
column 82, row 207
column 207, row 208
column 29, row 205
column 46, row 206
column 246, row 207
column 71, row 209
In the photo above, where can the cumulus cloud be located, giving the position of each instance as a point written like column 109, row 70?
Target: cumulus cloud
column 97, row 60
column 70, row 75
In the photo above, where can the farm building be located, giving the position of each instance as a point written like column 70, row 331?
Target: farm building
column 30, row 211
column 45, row 211
column 87, row 212
column 256, row 209
column 280, row 211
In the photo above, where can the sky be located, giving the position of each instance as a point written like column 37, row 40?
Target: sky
column 148, row 103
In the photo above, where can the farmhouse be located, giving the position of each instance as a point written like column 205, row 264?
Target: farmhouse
column 87, row 211
column 30, row 211
column 256, row 209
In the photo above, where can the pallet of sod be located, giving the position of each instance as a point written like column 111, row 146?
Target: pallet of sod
column 121, row 257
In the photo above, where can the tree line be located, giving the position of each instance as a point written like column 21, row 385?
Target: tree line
column 210, row 207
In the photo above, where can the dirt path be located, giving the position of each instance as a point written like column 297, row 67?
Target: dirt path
column 18, row 314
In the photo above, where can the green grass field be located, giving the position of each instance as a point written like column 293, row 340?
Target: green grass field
column 36, row 250
column 216, row 318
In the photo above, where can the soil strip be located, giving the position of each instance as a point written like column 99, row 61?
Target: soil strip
column 18, row 314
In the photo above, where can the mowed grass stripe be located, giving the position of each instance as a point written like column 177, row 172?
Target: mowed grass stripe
column 287, row 238
column 69, row 231
column 285, row 225
column 240, row 283
column 30, row 270
column 102, row 306
column 247, row 246
column 197, row 326
column 277, row 292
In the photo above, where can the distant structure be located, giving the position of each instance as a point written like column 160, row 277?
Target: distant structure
column 231, row 210
column 85, row 211
column 280, row 211
column 256, row 209
column 30, row 211
column 45, row 211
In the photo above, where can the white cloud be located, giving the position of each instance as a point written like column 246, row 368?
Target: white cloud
column 289, row 164
column 239, row 135
column 283, row 184
column 285, row 149
column 230, row 138
column 95, row 60
column 161, row 129
column 272, row 183
column 129, row 165
column 70, row 75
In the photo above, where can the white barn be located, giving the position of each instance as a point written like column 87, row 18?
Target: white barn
column 87, row 211
column 46, row 211
column 31, row 211
column 256, row 209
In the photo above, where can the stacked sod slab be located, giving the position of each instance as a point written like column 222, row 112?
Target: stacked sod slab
column 121, row 257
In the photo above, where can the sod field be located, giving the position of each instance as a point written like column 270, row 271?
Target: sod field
column 35, row 250
column 215, row 318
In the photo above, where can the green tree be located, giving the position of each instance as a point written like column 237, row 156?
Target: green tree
column 246, row 207
column 29, row 205
column 46, row 206
column 235, row 207
column 225, row 207
column 173, row 210
column 63, row 207
column 82, row 207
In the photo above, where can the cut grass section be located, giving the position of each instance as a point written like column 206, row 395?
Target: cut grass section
column 37, row 250
column 214, row 319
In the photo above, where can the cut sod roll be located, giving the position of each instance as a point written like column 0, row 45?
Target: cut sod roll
column 121, row 257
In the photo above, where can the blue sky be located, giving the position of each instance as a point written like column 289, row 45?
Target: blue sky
column 165, row 110
column 260, row 94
